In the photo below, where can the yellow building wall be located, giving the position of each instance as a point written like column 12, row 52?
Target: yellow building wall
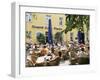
column 40, row 20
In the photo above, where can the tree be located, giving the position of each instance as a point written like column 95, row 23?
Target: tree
column 58, row 37
column 76, row 21
column 41, row 38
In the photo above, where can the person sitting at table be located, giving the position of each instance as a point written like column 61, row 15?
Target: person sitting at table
column 36, row 48
column 52, row 49
column 83, row 57
column 60, row 54
column 82, row 53
column 31, row 59
column 44, row 51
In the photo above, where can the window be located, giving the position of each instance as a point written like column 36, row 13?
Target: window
column 71, row 36
column 60, row 21
column 47, row 19
column 28, row 17
column 35, row 16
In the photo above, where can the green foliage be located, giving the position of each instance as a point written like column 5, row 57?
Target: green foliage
column 76, row 21
column 58, row 37
column 41, row 38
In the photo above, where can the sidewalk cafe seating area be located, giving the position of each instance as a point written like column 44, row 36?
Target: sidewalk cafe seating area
column 46, row 55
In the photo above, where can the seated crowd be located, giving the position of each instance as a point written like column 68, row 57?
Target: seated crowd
column 53, row 54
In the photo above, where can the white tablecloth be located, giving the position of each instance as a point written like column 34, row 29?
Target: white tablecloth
column 44, row 58
column 40, row 59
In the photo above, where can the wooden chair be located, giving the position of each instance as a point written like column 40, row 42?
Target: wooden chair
column 54, row 62
column 73, row 58
column 29, row 63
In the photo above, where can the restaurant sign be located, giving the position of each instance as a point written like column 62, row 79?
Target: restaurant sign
column 45, row 27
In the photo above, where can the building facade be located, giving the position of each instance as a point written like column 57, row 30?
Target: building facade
column 37, row 23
